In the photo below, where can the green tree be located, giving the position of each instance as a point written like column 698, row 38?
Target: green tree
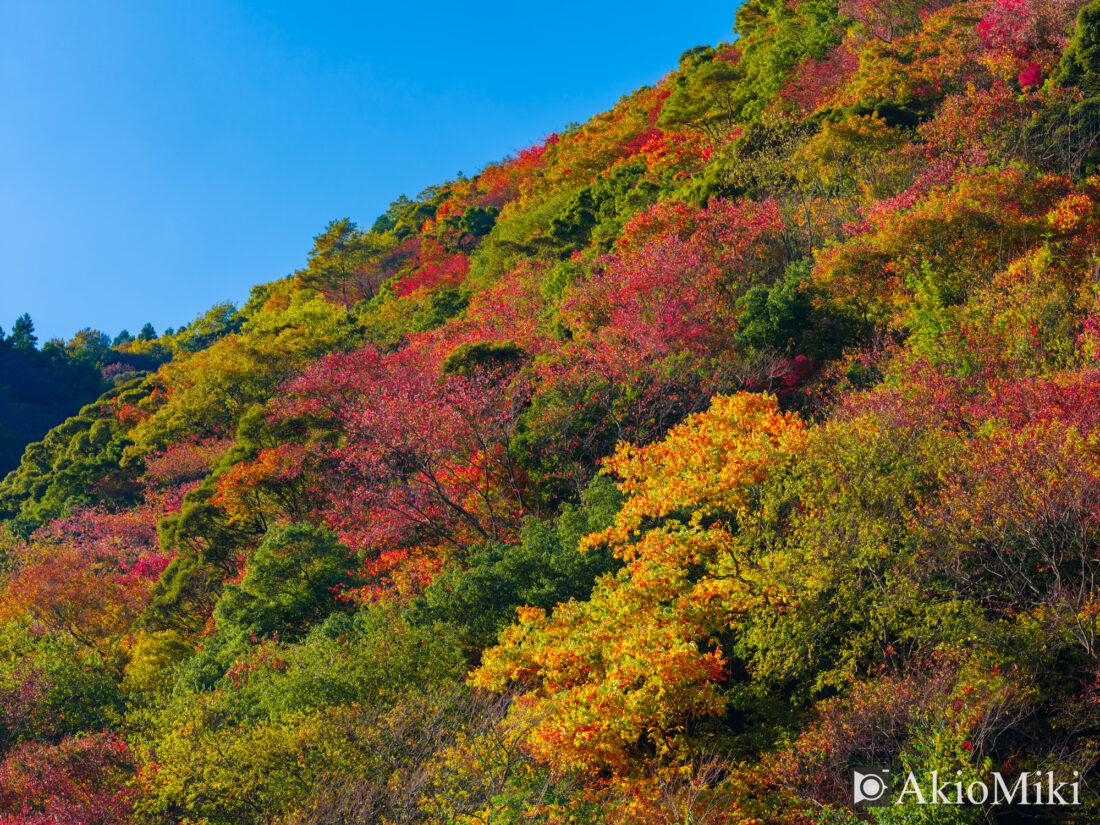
column 291, row 584
column 340, row 258
column 89, row 344
column 22, row 333
column 704, row 96
column 1071, row 134
column 480, row 597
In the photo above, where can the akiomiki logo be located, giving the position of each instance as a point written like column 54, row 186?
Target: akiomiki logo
column 874, row 787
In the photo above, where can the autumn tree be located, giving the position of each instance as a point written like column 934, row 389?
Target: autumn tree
column 633, row 663
column 417, row 452
column 340, row 261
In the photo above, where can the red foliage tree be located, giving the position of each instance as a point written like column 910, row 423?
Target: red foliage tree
column 80, row 781
column 435, row 268
column 418, row 454
column 814, row 83
column 90, row 574
column 672, row 283
column 1030, row 33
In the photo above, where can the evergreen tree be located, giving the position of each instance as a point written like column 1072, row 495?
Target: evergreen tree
column 22, row 333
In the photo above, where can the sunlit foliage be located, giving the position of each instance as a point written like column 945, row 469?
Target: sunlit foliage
column 665, row 471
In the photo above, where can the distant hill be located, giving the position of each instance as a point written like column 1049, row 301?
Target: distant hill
column 36, row 394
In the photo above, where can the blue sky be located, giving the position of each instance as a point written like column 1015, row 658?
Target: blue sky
column 157, row 157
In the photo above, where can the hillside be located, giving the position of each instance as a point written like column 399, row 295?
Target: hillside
column 742, row 437
column 40, row 388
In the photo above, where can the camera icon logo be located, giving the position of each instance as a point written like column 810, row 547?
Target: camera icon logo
column 870, row 787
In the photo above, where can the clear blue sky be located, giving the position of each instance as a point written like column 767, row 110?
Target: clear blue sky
column 157, row 156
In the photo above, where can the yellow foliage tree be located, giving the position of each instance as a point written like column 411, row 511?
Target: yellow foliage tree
column 628, row 668
column 208, row 391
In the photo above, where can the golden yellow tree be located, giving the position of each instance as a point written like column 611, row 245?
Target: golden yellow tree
column 627, row 668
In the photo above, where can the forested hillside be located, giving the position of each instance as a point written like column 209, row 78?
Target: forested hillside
column 741, row 436
column 41, row 387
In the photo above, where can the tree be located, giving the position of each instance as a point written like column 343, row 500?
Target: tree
column 292, row 582
column 80, row 779
column 419, row 455
column 89, row 344
column 545, row 568
column 621, row 672
column 211, row 389
column 148, row 333
column 1077, row 127
column 704, row 96
column 889, row 20
column 22, row 333
column 89, row 575
column 340, row 258
column 668, row 289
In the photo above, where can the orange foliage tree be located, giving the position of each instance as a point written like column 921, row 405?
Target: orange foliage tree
column 629, row 667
